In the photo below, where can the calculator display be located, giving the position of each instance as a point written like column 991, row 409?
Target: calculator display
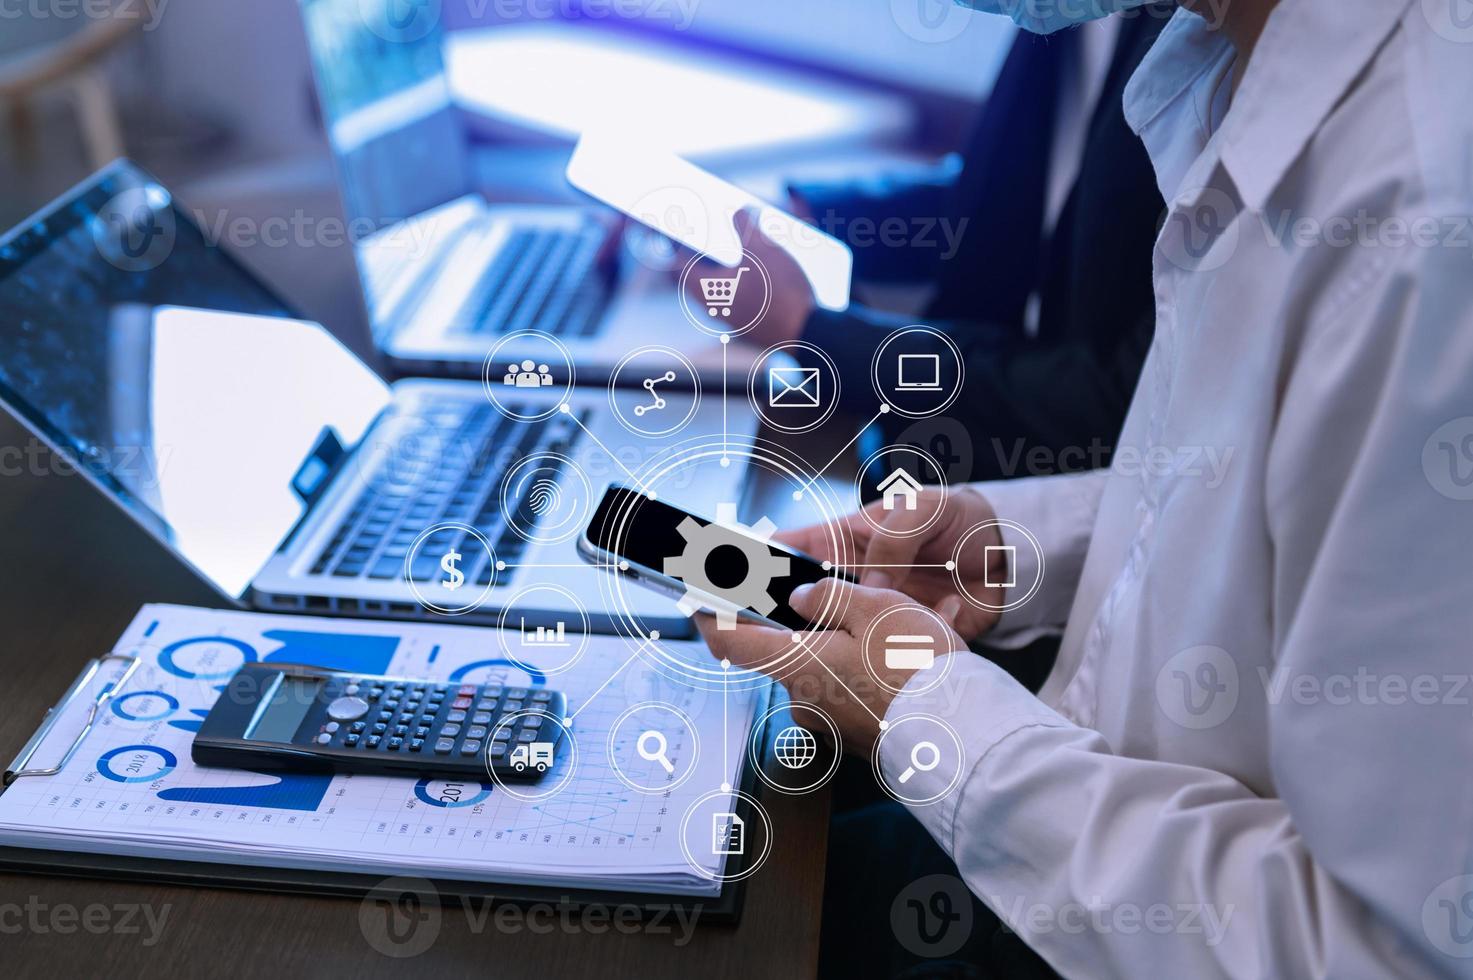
column 287, row 708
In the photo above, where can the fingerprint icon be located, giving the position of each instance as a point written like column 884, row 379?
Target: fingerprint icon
column 545, row 497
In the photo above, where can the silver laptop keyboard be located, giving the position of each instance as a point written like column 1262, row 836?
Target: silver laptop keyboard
column 419, row 490
column 542, row 279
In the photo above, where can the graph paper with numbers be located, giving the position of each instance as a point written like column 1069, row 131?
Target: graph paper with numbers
column 131, row 788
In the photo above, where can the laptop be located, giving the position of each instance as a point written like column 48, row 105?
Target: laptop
column 445, row 273
column 277, row 465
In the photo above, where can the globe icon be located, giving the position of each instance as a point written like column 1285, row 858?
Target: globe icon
column 795, row 747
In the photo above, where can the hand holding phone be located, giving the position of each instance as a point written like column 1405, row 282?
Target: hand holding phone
column 695, row 208
column 708, row 565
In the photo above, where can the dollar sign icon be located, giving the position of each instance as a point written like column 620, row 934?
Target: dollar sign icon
column 455, row 578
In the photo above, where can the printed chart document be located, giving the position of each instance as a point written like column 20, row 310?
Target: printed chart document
column 132, row 790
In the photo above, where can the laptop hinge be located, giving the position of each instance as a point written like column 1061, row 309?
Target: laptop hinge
column 312, row 478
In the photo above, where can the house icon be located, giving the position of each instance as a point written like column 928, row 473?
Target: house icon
column 899, row 484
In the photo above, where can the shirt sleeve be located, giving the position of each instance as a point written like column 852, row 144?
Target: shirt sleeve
column 1110, row 865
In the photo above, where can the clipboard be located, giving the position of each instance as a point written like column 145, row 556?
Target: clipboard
column 723, row 909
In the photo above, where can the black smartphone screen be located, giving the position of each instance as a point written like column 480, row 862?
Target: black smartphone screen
column 645, row 532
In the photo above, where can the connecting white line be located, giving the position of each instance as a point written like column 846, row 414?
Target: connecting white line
column 798, row 639
column 797, row 494
column 599, row 442
column 609, row 680
column 723, row 398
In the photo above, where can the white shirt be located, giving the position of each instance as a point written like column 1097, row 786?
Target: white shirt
column 1252, row 757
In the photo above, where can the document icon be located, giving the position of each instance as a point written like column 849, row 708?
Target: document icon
column 728, row 834
column 793, row 387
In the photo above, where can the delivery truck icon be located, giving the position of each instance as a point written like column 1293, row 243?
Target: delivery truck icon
column 535, row 754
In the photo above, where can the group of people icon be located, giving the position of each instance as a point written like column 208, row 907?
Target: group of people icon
column 528, row 374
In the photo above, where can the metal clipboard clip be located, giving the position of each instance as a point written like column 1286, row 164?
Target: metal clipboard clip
column 53, row 714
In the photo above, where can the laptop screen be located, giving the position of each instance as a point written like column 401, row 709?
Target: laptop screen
column 168, row 374
column 387, row 109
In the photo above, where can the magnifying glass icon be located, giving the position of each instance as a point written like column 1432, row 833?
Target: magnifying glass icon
column 652, row 747
column 916, row 765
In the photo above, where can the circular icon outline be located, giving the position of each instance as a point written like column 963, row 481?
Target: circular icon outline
column 567, row 466
column 825, row 413
column 695, row 391
column 956, row 355
column 754, row 866
column 703, row 325
column 413, row 553
column 515, row 603
column 705, row 449
column 690, row 768
column 950, row 787
column 935, row 467
column 759, row 728
column 509, row 788
column 956, row 564
column 875, row 674
column 490, row 368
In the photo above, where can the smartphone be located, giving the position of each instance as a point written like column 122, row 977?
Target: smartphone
column 695, row 208
column 627, row 526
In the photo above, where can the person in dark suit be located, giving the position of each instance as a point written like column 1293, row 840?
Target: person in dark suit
column 1047, row 291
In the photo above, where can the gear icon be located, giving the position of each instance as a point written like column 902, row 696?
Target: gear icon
column 701, row 541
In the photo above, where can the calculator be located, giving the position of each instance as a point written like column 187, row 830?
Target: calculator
column 294, row 717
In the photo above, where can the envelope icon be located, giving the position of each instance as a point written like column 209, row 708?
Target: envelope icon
column 793, row 387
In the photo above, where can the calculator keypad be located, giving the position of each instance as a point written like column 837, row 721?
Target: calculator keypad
column 449, row 721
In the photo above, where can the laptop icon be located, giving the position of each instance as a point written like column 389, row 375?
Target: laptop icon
column 265, row 456
column 919, row 372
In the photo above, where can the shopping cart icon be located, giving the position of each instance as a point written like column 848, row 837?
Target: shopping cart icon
column 719, row 293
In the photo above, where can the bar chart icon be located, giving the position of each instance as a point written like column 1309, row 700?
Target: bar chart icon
column 542, row 636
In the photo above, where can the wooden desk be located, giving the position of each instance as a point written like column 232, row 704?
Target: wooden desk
column 74, row 574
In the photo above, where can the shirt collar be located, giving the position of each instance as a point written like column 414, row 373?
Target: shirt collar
column 1310, row 53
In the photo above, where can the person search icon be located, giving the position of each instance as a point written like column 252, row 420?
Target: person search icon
column 653, row 747
column 916, row 765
